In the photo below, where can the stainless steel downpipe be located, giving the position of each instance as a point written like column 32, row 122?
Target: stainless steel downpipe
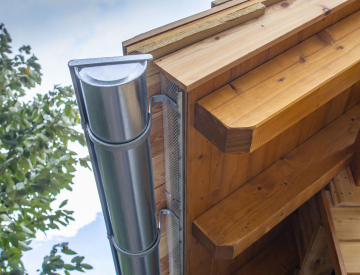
column 112, row 98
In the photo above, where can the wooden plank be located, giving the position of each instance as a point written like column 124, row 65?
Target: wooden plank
column 216, row 3
column 347, row 223
column 351, row 255
column 158, row 170
column 177, row 24
column 347, row 193
column 278, row 258
column 355, row 164
column 229, row 267
column 187, row 34
column 317, row 259
column 333, row 241
column 333, row 193
column 258, row 106
column 200, row 62
column 248, row 213
column 213, row 175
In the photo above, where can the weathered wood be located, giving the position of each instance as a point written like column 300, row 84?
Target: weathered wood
column 258, row 106
column 279, row 258
column 247, row 214
column 343, row 189
column 141, row 37
column 333, row 242
column 317, row 259
column 216, row 3
column 202, row 28
column 355, row 164
column 347, row 223
column 200, row 62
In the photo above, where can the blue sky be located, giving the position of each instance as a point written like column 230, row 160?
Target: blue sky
column 61, row 30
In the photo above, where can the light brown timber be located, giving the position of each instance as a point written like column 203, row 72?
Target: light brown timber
column 344, row 190
column 201, row 62
column 177, row 24
column 355, row 164
column 197, row 262
column 182, row 36
column 333, row 240
column 347, row 223
column 351, row 252
column 221, row 174
column 253, row 109
column 236, row 222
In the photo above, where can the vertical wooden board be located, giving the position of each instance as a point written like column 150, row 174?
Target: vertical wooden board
column 334, row 194
column 317, row 259
column 160, row 199
column 279, row 258
column 198, row 260
column 157, row 137
column 332, row 238
column 354, row 96
column 158, row 170
column 347, row 192
column 203, row 183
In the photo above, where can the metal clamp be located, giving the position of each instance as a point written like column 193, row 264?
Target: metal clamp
column 122, row 146
column 152, row 247
column 141, row 138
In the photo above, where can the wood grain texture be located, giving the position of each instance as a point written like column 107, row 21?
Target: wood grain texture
column 258, row 106
column 317, row 259
column 333, row 242
column 347, row 223
column 355, row 164
column 177, row 24
column 343, row 189
column 219, row 2
column 231, row 266
column 200, row 62
column 247, row 214
column 195, row 31
column 279, row 258
column 221, row 174
column 351, row 252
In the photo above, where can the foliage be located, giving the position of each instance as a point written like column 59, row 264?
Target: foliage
column 54, row 262
column 35, row 161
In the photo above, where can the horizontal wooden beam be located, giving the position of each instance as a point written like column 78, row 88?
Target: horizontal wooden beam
column 178, row 23
column 186, row 34
column 255, row 108
column 243, row 217
column 202, row 61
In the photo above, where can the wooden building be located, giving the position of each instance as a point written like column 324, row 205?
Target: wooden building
column 270, row 101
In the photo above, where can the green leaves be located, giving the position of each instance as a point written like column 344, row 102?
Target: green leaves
column 54, row 262
column 35, row 161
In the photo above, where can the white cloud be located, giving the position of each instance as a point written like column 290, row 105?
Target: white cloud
column 84, row 200
column 59, row 31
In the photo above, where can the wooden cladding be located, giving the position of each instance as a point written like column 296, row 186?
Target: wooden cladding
column 203, row 61
column 240, row 219
column 255, row 108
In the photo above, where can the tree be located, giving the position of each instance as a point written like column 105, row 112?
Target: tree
column 35, row 161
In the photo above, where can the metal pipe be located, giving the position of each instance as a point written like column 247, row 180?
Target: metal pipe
column 113, row 97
